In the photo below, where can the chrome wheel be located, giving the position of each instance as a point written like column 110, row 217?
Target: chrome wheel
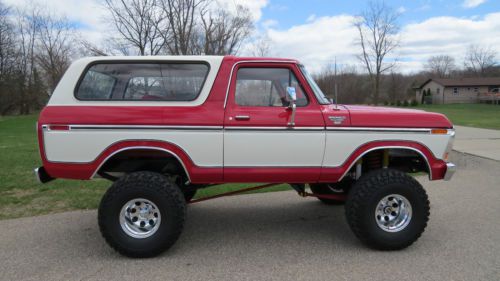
column 393, row 213
column 140, row 218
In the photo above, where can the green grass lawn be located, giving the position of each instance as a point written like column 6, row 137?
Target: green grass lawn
column 21, row 195
column 472, row 115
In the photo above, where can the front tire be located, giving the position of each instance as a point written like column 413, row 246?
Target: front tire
column 387, row 209
column 142, row 214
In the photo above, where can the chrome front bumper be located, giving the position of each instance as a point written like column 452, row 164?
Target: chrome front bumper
column 450, row 170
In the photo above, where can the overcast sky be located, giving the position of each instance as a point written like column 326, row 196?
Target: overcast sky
column 317, row 31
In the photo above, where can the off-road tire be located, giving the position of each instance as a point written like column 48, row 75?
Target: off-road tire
column 324, row 188
column 151, row 186
column 364, row 198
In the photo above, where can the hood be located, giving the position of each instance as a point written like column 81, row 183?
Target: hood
column 374, row 116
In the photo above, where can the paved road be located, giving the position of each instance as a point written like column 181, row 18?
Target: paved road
column 480, row 142
column 276, row 236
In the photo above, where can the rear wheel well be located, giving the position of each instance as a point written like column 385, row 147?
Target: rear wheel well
column 142, row 159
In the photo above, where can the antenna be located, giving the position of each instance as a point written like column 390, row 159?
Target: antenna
column 335, row 85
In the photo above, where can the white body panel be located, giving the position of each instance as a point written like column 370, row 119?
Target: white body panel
column 83, row 146
column 273, row 148
column 341, row 144
column 236, row 148
column 61, row 96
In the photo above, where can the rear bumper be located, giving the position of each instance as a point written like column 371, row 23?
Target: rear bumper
column 450, row 170
column 42, row 176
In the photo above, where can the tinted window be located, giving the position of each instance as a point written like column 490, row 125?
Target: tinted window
column 266, row 87
column 141, row 81
column 96, row 86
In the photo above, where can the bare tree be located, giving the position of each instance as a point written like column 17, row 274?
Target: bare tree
column 8, row 63
column 441, row 65
column 224, row 32
column 30, row 85
column 262, row 47
column 54, row 50
column 378, row 37
column 182, row 18
column 90, row 49
column 7, row 42
column 141, row 24
column 479, row 60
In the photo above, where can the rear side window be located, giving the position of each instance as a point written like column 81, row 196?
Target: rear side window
column 143, row 81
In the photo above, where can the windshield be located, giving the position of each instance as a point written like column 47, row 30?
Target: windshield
column 322, row 99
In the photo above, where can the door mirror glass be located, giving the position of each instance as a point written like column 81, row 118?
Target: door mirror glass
column 291, row 93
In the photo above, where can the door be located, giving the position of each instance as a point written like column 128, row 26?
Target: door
column 260, row 144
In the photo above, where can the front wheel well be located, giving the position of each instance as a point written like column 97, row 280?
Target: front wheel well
column 402, row 159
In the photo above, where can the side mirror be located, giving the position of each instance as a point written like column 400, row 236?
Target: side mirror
column 292, row 96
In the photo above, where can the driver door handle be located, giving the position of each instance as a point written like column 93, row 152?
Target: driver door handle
column 242, row 117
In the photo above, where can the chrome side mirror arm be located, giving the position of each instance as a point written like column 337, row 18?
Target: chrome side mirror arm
column 293, row 107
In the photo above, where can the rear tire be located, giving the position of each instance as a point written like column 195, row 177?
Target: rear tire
column 387, row 209
column 142, row 214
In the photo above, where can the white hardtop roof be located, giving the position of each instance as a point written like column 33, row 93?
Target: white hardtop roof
column 151, row 58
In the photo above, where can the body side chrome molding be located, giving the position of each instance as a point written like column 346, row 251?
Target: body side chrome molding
column 46, row 127
column 281, row 129
column 142, row 127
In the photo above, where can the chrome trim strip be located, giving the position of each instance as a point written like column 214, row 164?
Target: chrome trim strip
column 285, row 129
column 250, row 61
column 385, row 130
column 46, row 127
column 141, row 127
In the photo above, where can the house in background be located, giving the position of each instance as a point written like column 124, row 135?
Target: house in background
column 457, row 90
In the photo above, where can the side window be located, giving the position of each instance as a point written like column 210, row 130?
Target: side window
column 96, row 86
column 455, row 91
column 266, row 87
column 143, row 81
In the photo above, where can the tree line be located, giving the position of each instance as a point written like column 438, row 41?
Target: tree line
column 376, row 78
column 37, row 46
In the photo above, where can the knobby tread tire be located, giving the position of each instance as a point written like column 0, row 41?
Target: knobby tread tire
column 152, row 186
column 364, row 196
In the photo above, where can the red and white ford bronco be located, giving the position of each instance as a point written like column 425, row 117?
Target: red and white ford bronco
column 163, row 127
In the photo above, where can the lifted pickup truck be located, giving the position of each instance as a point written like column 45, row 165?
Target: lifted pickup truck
column 162, row 127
